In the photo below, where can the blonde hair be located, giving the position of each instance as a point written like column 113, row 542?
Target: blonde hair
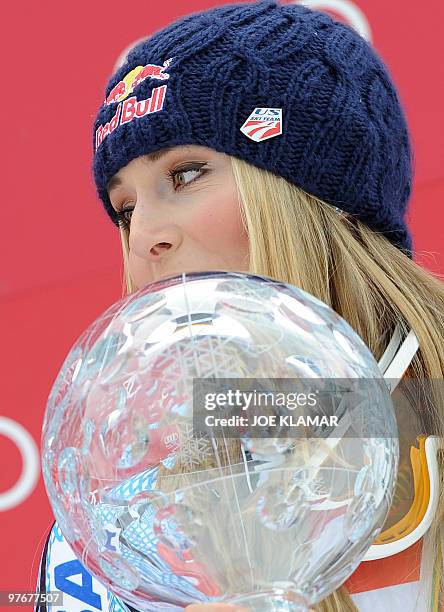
column 297, row 238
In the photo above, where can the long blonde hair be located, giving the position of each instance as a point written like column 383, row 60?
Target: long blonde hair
column 297, row 238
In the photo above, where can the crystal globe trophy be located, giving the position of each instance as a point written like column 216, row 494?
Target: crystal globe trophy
column 170, row 494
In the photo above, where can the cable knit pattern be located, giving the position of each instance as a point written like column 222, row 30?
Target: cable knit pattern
column 344, row 136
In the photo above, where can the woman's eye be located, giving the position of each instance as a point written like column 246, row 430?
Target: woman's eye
column 180, row 177
column 187, row 174
column 124, row 216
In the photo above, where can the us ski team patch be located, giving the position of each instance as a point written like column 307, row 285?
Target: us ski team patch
column 262, row 124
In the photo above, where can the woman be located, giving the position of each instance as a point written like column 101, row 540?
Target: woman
column 269, row 138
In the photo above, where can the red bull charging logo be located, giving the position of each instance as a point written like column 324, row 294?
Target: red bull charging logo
column 127, row 85
column 131, row 108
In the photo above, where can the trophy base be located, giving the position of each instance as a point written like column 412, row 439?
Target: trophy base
column 276, row 600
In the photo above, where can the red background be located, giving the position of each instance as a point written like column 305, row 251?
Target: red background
column 60, row 254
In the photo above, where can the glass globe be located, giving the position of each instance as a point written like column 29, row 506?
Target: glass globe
column 166, row 509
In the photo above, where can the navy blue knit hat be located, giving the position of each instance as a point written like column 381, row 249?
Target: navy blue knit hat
column 281, row 86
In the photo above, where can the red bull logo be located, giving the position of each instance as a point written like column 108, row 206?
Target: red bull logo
column 127, row 85
column 132, row 109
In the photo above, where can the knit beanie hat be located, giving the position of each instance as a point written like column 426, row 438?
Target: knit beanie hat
column 281, row 86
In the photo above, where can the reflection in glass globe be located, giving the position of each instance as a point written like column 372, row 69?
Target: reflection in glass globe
column 166, row 514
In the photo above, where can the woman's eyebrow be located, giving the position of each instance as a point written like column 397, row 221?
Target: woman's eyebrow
column 115, row 181
column 156, row 155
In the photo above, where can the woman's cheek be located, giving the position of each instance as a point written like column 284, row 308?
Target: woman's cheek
column 219, row 222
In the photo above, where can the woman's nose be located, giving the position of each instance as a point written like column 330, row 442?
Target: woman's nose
column 152, row 238
column 160, row 248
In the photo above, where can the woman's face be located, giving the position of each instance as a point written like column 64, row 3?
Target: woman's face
column 181, row 208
